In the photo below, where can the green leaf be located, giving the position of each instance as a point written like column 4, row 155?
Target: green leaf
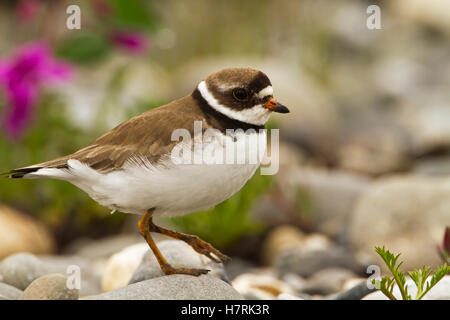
column 419, row 277
column 440, row 273
column 135, row 14
column 84, row 48
column 391, row 262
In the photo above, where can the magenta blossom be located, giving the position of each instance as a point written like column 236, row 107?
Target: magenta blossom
column 444, row 248
column 22, row 78
column 131, row 41
column 28, row 9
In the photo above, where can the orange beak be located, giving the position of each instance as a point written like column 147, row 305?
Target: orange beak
column 274, row 106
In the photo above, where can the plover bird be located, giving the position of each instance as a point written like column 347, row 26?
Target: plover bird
column 132, row 168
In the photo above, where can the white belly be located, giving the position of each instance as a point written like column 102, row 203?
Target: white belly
column 172, row 189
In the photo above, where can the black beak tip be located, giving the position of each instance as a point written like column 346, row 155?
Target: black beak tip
column 281, row 109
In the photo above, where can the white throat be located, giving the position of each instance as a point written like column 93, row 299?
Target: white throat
column 257, row 115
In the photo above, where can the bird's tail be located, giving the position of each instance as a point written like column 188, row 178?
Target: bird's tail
column 20, row 173
column 41, row 170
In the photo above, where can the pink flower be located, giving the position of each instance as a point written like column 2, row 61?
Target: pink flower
column 131, row 41
column 22, row 78
column 444, row 248
column 27, row 9
column 446, row 240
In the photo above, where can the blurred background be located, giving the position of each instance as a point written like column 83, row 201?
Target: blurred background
column 365, row 151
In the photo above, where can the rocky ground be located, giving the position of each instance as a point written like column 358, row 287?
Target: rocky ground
column 299, row 267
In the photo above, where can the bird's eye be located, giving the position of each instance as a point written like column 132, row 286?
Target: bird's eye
column 240, row 94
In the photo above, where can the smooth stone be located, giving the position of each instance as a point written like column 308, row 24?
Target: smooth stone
column 305, row 262
column 238, row 266
column 281, row 238
column 287, row 296
column 50, row 287
column 121, row 266
column 178, row 254
column 20, row 269
column 286, row 238
column 327, row 281
column 90, row 271
column 374, row 148
column 428, row 125
column 357, row 292
column 174, row 287
column 102, row 248
column 262, row 286
column 295, row 281
column 433, row 166
column 8, row 292
column 407, row 214
column 22, row 233
column 435, row 13
column 331, row 195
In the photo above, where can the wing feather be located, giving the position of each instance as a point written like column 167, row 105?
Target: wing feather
column 148, row 135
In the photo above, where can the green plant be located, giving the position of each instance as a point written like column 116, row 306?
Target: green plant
column 419, row 277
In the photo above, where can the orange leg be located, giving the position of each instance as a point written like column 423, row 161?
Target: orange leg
column 146, row 226
column 195, row 242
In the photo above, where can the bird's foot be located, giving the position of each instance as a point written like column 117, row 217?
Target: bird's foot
column 207, row 249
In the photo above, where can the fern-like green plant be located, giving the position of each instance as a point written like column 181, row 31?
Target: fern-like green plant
column 419, row 277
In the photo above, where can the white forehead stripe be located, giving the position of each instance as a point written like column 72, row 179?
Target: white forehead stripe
column 257, row 115
column 267, row 91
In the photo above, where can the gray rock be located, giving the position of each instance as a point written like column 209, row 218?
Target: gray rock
column 355, row 293
column 287, row 296
column 279, row 239
column 433, row 166
column 428, row 125
column 8, row 292
column 327, row 281
column 407, row 214
column 102, row 248
column 238, row 266
column 20, row 269
column 431, row 13
column 295, row 281
column 89, row 273
column 307, row 262
column 49, row 287
column 120, row 266
column 332, row 194
column 174, row 287
column 261, row 285
column 373, row 144
column 178, row 254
